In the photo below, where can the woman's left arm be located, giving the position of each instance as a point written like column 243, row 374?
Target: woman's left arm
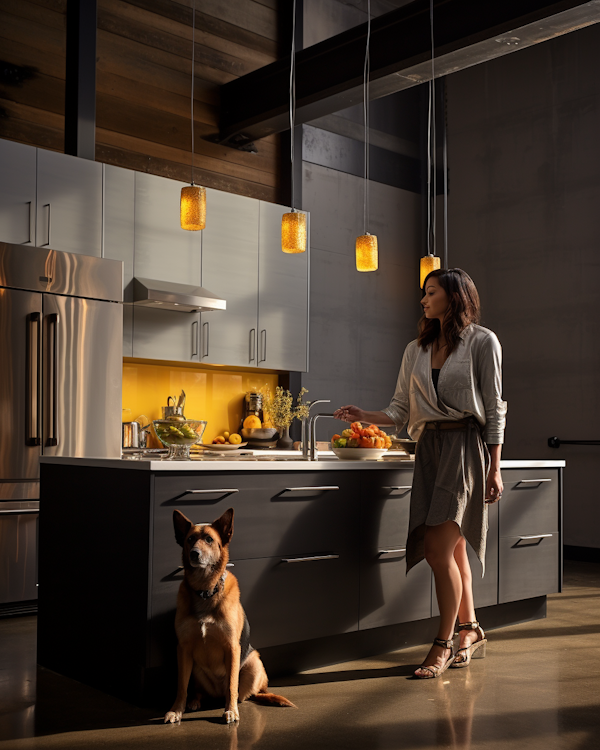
column 494, row 486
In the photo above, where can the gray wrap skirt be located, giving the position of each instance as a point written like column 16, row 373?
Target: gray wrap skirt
column 449, row 484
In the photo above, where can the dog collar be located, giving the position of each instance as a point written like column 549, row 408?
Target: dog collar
column 205, row 594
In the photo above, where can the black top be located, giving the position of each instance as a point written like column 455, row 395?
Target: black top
column 435, row 376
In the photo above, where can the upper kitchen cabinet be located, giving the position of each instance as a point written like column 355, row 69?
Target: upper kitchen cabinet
column 119, row 209
column 165, row 252
column 69, row 203
column 283, row 297
column 230, row 270
column 17, row 193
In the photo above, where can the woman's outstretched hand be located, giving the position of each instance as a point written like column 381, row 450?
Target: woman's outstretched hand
column 349, row 413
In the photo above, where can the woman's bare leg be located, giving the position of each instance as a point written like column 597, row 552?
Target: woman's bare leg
column 440, row 544
column 466, row 610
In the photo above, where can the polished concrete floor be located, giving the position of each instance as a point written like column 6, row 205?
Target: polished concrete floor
column 538, row 688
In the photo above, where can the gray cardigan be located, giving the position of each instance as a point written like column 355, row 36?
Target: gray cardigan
column 470, row 384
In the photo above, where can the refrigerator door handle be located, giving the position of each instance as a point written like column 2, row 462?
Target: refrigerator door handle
column 33, row 366
column 53, row 385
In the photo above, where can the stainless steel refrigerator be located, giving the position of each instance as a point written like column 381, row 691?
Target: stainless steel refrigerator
column 61, row 331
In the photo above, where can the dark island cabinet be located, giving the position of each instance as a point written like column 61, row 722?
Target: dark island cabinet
column 387, row 595
column 319, row 555
column 530, row 529
column 293, row 550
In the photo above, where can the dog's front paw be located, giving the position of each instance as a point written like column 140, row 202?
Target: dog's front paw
column 231, row 716
column 173, row 717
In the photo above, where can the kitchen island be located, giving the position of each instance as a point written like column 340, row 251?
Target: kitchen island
column 318, row 550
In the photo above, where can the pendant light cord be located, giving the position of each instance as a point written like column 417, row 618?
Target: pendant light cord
column 293, row 96
column 192, row 97
column 431, row 147
column 366, row 71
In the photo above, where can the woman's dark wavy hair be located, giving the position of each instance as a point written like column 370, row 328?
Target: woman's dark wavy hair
column 464, row 308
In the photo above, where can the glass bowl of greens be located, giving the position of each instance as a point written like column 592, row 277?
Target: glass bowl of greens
column 178, row 434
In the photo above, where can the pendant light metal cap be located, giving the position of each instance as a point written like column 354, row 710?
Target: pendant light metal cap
column 293, row 232
column 193, row 207
column 429, row 263
column 367, row 258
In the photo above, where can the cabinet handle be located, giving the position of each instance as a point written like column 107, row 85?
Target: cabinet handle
column 53, row 389
column 252, row 345
column 382, row 552
column 407, row 487
column 46, row 244
column 263, row 342
column 207, row 492
column 205, row 339
column 535, row 536
column 34, row 362
column 17, row 512
column 531, row 481
column 304, row 489
column 28, row 240
column 309, row 559
column 195, row 339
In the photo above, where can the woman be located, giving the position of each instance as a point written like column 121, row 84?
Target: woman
column 449, row 391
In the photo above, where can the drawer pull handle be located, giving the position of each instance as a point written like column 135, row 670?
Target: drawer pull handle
column 531, row 481
column 398, row 487
column 208, row 492
column 391, row 551
column 304, row 489
column 535, row 536
column 19, row 512
column 309, row 559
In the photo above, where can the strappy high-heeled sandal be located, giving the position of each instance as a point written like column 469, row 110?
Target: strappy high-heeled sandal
column 437, row 671
column 475, row 650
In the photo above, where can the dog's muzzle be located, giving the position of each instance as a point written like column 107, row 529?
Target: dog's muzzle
column 196, row 559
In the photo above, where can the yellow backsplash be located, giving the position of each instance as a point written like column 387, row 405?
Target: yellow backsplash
column 212, row 394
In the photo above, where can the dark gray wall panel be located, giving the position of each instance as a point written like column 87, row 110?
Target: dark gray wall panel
column 523, row 221
column 360, row 322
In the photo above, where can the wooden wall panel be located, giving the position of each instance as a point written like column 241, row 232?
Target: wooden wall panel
column 143, row 84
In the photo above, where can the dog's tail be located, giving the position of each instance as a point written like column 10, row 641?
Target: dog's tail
column 270, row 699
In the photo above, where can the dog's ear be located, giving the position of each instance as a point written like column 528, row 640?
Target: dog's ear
column 224, row 526
column 182, row 526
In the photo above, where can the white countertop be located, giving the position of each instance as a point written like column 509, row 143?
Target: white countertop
column 268, row 461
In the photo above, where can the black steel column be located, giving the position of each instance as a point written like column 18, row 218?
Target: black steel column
column 80, row 88
column 285, row 34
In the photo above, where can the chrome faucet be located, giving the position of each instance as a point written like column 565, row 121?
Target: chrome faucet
column 313, row 435
column 307, row 425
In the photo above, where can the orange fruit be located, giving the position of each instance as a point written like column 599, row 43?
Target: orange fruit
column 252, row 422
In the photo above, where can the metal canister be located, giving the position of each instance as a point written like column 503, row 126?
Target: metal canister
column 130, row 434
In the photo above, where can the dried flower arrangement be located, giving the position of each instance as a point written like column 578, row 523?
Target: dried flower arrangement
column 279, row 409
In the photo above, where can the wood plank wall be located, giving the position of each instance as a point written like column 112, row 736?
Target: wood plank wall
column 144, row 84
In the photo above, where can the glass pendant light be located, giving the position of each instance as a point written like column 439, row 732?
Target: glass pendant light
column 430, row 262
column 366, row 250
column 192, row 204
column 293, row 223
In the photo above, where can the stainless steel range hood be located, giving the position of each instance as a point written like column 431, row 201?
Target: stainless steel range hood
column 168, row 295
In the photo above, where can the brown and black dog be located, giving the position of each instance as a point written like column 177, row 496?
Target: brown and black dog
column 212, row 628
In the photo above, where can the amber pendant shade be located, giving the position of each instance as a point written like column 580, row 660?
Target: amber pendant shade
column 366, row 253
column 293, row 232
column 193, row 208
column 429, row 263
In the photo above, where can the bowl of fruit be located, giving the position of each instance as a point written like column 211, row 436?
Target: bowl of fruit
column 178, row 433
column 225, row 442
column 358, row 443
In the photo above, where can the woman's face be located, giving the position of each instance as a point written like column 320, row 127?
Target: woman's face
column 435, row 300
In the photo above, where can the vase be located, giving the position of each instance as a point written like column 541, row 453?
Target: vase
column 285, row 442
